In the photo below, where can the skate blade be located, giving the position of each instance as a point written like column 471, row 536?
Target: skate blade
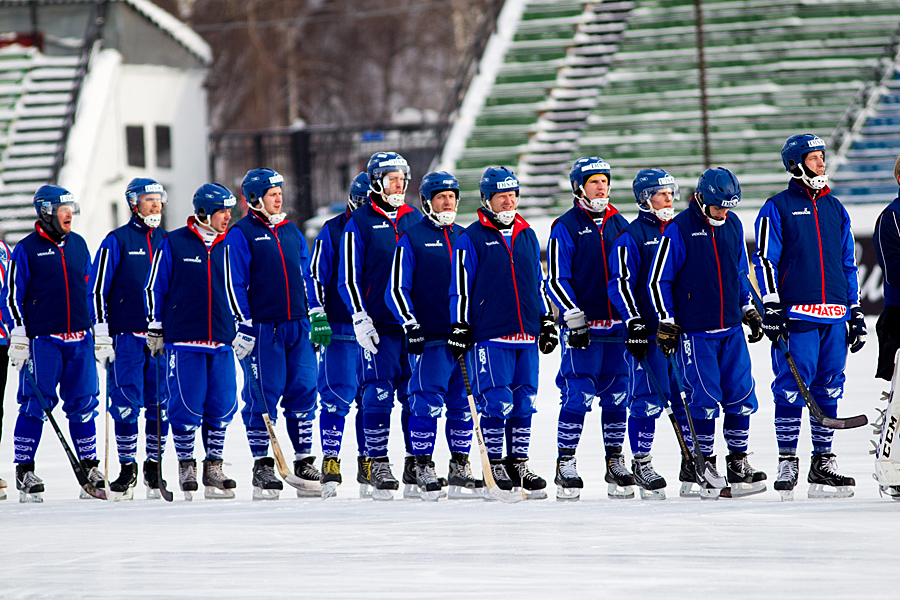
column 153, row 494
column 887, row 473
column 365, row 490
column 688, row 490
column 564, row 494
column 35, row 498
column 211, row 492
column 786, row 495
column 741, row 490
column 306, row 485
column 329, row 490
column 616, row 492
column 123, row 496
column 457, row 492
column 411, row 491
column 88, row 491
column 532, row 494
column 709, row 493
column 263, row 494
column 382, row 495
column 659, row 494
column 819, row 491
column 188, row 496
column 429, row 496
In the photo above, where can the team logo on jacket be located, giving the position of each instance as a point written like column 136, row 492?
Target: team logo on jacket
column 47, row 253
column 494, row 243
column 137, row 252
column 585, row 230
column 380, row 226
column 262, row 238
column 696, row 233
column 653, row 242
column 196, row 259
column 805, row 211
column 434, row 244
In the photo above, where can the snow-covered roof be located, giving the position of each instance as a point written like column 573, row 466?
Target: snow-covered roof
column 182, row 34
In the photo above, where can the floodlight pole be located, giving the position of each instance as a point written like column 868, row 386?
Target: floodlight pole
column 701, row 67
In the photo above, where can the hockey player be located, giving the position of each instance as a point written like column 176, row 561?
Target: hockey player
column 367, row 246
column 805, row 231
column 5, row 255
column 45, row 306
column 498, row 306
column 701, row 297
column 887, row 249
column 266, row 259
column 120, row 329
column 655, row 192
column 337, row 381
column 577, row 276
column 420, row 278
column 187, row 309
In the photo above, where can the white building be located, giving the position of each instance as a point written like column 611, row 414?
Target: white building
column 140, row 111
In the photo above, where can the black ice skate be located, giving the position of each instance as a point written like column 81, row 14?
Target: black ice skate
column 463, row 485
column 364, row 476
column 651, row 484
column 426, row 479
column 2, row 489
column 218, row 485
column 410, row 489
column 500, row 475
column 123, row 487
column 786, row 480
column 621, row 482
column 687, row 475
column 331, row 476
column 151, row 479
column 30, row 486
column 305, row 469
column 523, row 477
column 91, row 466
column 266, row 485
column 383, row 481
column 568, row 483
column 825, row 481
column 743, row 478
column 712, row 483
column 892, row 491
column 187, row 478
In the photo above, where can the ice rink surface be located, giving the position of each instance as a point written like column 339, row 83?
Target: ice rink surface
column 756, row 547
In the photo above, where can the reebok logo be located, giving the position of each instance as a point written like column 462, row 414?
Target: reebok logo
column 196, row 259
column 805, row 211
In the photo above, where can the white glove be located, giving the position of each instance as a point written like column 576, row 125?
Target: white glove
column 243, row 345
column 366, row 334
column 19, row 351
column 155, row 339
column 103, row 349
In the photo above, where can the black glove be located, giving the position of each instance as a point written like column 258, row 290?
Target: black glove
column 579, row 335
column 415, row 339
column 637, row 342
column 548, row 339
column 775, row 322
column 460, row 334
column 755, row 323
column 667, row 338
column 856, row 331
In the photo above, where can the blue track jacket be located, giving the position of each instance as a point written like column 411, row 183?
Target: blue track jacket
column 420, row 278
column 887, row 249
column 322, row 280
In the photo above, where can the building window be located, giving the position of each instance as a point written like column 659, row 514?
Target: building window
column 134, row 145
column 163, row 146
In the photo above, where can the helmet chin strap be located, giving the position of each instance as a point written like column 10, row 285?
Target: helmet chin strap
column 152, row 220
column 663, row 214
column 395, row 200
column 596, row 205
column 273, row 219
column 704, row 208
column 810, row 179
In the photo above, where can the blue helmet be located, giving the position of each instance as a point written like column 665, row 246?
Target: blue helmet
column 795, row 150
column 48, row 199
column 584, row 169
column 649, row 181
column 140, row 186
column 359, row 191
column 494, row 180
column 211, row 197
column 257, row 182
column 434, row 183
column 717, row 187
column 380, row 165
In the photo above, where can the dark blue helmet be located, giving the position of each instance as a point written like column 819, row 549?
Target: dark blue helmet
column 141, row 186
column 211, row 197
column 584, row 169
column 359, row 191
column 433, row 183
column 718, row 187
column 48, row 198
column 649, row 181
column 257, row 182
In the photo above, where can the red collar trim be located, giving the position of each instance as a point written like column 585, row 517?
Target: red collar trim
column 253, row 213
column 192, row 225
column 43, row 234
column 404, row 209
column 519, row 224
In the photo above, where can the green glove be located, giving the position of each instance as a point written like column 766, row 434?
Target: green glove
column 321, row 330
